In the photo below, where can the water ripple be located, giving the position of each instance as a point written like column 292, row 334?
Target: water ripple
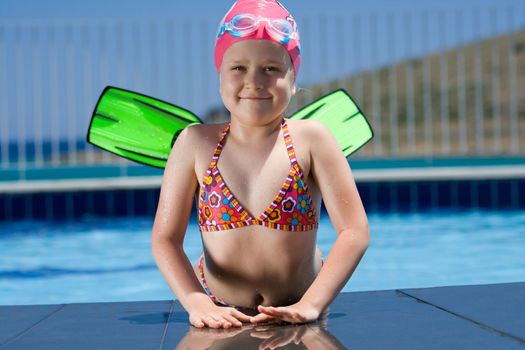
column 49, row 272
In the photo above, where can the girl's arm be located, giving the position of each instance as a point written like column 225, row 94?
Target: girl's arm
column 340, row 196
column 336, row 183
column 171, row 220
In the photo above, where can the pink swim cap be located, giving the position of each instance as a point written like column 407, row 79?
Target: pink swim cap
column 273, row 22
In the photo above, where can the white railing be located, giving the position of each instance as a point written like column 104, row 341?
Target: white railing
column 432, row 84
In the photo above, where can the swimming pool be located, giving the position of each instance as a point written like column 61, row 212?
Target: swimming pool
column 102, row 260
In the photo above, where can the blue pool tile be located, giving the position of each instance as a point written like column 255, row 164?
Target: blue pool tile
column 484, row 195
column 109, row 198
column 424, row 196
column 454, row 194
column 102, row 203
column 130, row 203
column 404, row 197
column 504, row 193
column 3, row 205
column 90, row 203
column 475, row 194
column 140, row 202
column 383, row 197
column 39, row 206
column 464, row 189
column 443, row 193
column 413, row 198
column 152, row 201
column 120, row 200
column 79, row 200
column 387, row 197
column 495, row 197
column 18, row 207
column 7, row 211
column 59, row 205
column 145, row 202
column 519, row 193
column 393, row 191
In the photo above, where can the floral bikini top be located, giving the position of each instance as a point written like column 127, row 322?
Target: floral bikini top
column 291, row 210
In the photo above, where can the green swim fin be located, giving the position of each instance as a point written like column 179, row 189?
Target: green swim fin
column 143, row 129
column 342, row 116
column 136, row 126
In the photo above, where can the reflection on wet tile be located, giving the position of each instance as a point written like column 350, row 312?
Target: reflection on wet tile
column 308, row 336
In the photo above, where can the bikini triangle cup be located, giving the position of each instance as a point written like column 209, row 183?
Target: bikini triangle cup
column 291, row 210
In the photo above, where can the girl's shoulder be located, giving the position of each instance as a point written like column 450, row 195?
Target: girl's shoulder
column 307, row 130
column 201, row 139
column 205, row 129
column 312, row 138
column 202, row 134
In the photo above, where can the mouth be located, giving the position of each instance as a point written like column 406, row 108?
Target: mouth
column 256, row 98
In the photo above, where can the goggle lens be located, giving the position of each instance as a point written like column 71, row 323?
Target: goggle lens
column 245, row 24
column 282, row 27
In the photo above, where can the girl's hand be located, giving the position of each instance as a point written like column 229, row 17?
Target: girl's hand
column 299, row 312
column 279, row 337
column 213, row 316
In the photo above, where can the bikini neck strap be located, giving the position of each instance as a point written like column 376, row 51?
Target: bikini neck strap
column 287, row 140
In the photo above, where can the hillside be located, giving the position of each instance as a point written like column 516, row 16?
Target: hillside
column 473, row 91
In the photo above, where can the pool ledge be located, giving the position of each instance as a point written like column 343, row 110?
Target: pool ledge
column 361, row 176
column 454, row 317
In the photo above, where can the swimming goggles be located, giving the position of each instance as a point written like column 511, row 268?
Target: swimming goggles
column 242, row 25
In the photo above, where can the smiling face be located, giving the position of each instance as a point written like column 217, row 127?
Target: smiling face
column 256, row 81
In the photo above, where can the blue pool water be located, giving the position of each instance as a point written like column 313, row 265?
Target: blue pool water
column 109, row 260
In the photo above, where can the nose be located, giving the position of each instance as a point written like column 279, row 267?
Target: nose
column 254, row 79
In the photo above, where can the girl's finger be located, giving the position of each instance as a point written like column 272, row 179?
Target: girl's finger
column 266, row 309
column 211, row 322
column 278, row 342
column 198, row 323
column 221, row 321
column 261, row 318
column 265, row 328
column 261, row 334
column 266, row 344
column 240, row 316
column 287, row 314
column 299, row 335
column 233, row 321
column 226, row 324
column 280, row 312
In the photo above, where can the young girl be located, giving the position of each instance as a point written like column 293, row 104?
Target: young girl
column 258, row 181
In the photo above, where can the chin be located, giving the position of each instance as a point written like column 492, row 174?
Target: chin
column 256, row 119
column 256, row 113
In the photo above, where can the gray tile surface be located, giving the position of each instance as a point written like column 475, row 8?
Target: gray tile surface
column 470, row 317
column 138, row 325
column 500, row 307
column 15, row 321
column 392, row 320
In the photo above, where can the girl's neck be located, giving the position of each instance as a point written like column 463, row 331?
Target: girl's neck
column 248, row 133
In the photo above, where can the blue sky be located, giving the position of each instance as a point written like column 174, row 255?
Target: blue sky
column 39, row 9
